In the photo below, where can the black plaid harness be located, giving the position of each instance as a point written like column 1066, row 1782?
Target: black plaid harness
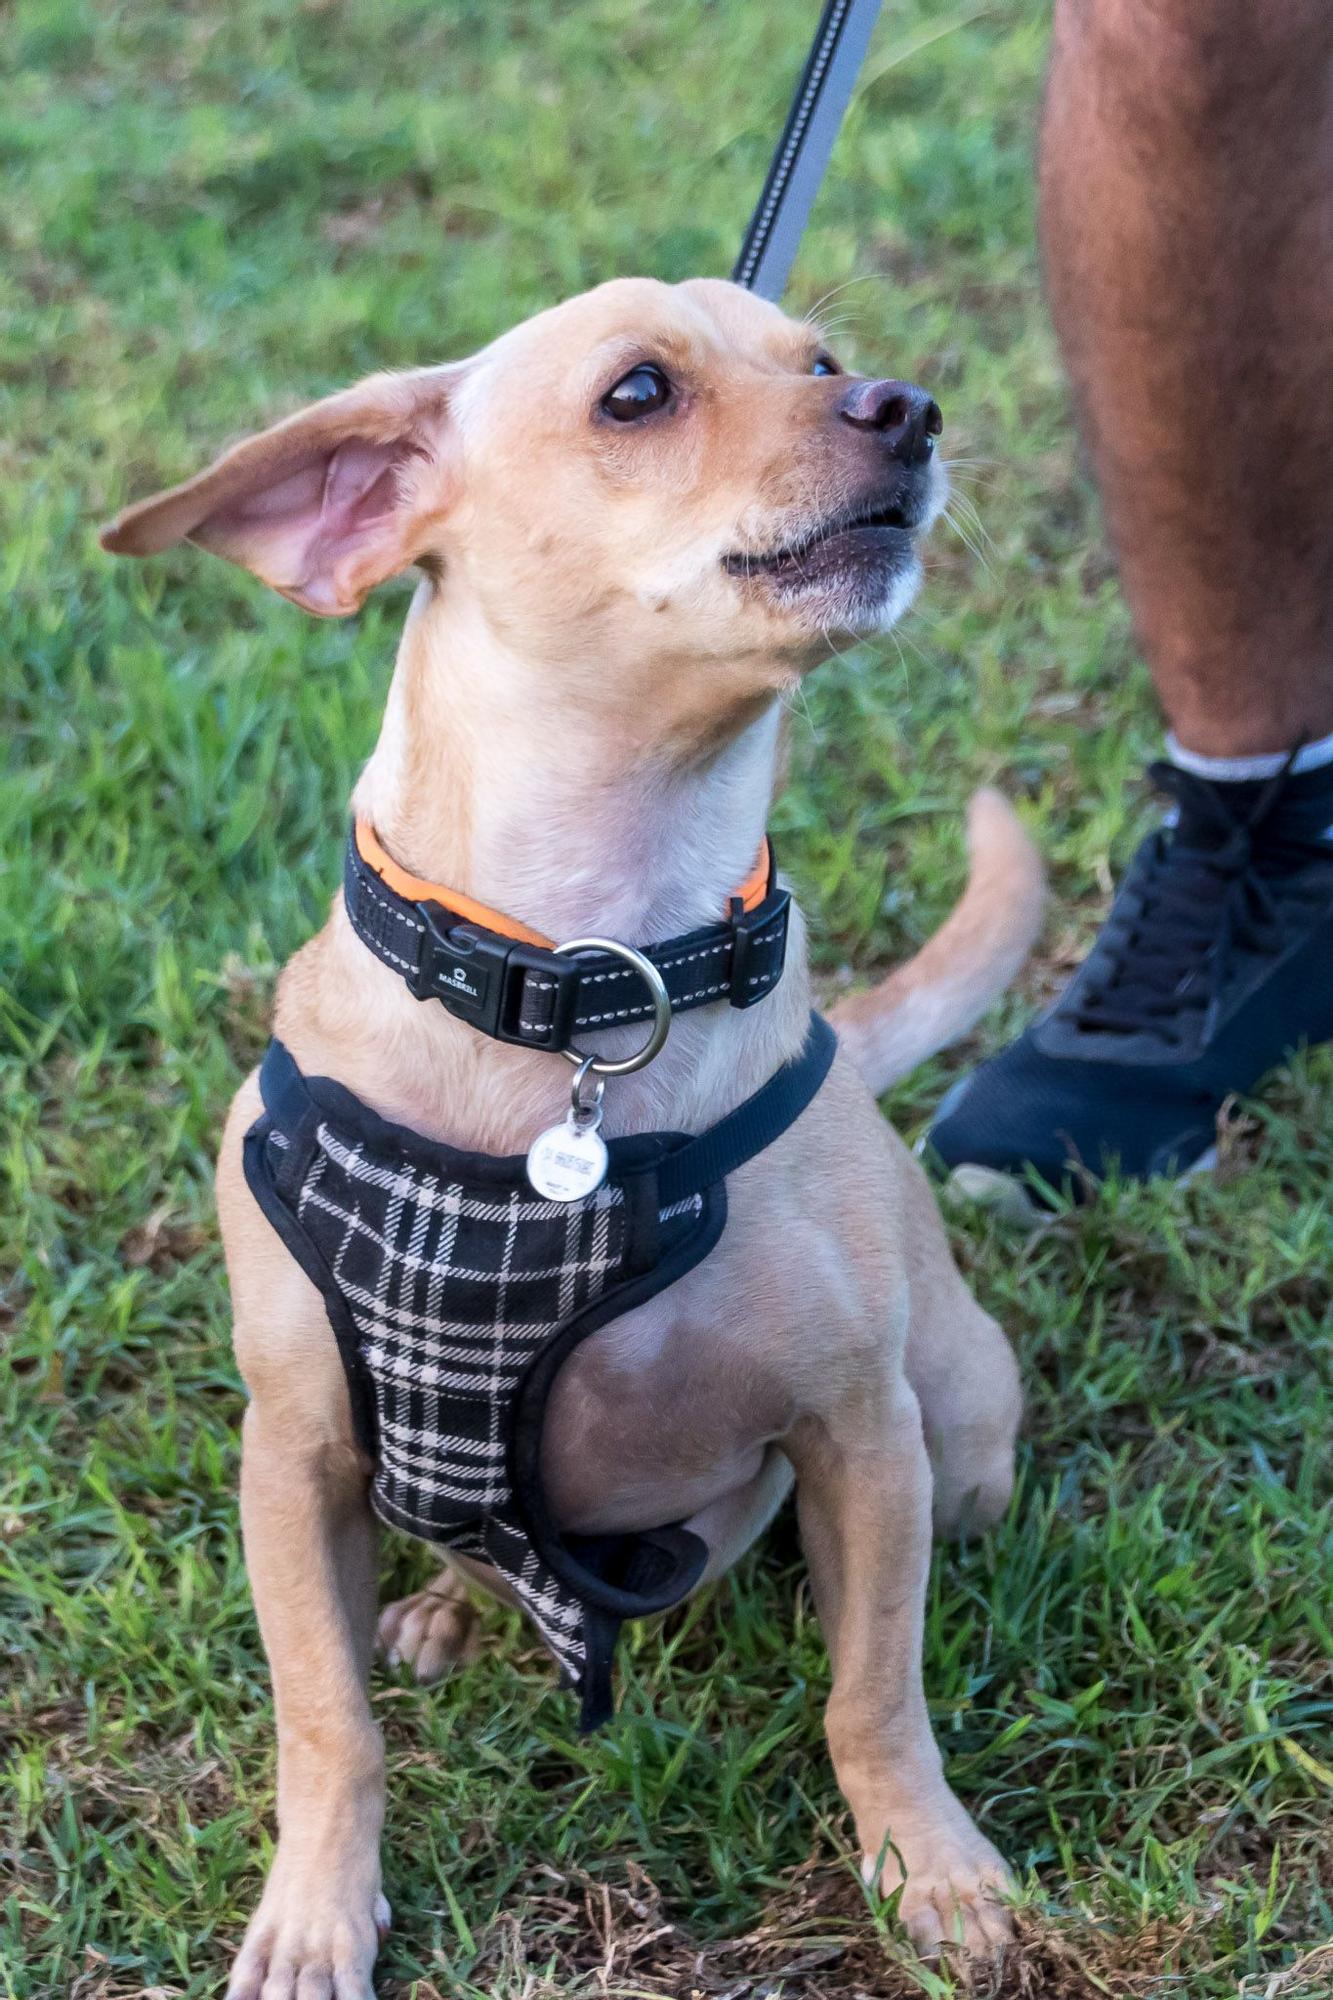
column 455, row 1294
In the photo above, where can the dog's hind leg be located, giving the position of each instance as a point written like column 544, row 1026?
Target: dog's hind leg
column 433, row 1630
column 436, row 1628
column 966, row 1379
column 963, row 1374
column 730, row 1525
column 863, row 1491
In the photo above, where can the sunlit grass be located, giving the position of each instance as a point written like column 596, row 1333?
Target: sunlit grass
column 213, row 215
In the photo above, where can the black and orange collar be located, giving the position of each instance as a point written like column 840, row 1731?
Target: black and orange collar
column 509, row 982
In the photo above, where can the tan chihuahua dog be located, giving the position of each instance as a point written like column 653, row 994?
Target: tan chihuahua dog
column 639, row 517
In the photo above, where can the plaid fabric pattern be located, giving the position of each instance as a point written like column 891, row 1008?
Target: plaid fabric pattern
column 453, row 1287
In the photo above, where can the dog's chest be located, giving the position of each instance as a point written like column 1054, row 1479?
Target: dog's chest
column 454, row 1284
column 669, row 1408
column 460, row 1297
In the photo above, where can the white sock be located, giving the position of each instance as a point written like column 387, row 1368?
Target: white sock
column 1233, row 770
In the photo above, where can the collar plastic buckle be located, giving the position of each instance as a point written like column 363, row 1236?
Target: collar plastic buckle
column 464, row 969
column 749, row 980
column 477, row 976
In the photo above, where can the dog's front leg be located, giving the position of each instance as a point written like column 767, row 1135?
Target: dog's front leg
column 863, row 1492
column 310, row 1552
column 310, row 1549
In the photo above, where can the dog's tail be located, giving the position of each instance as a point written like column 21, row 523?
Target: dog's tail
column 933, row 999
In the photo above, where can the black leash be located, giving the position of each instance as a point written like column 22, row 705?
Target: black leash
column 797, row 168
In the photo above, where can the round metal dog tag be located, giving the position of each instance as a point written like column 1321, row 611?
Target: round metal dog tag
column 567, row 1162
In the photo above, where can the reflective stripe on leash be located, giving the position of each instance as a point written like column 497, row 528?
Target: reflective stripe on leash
column 798, row 165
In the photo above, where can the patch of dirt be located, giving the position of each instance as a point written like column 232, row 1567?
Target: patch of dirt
column 579, row 1938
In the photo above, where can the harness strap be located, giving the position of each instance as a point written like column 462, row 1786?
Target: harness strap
column 691, row 1165
column 516, row 990
column 753, row 1125
column 282, row 1087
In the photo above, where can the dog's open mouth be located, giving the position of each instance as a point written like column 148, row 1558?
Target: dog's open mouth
column 855, row 571
column 859, row 533
column 854, row 538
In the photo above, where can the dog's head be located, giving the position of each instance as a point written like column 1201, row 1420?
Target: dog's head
column 663, row 473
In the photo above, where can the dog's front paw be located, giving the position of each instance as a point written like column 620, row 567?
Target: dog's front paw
column 953, row 1892
column 306, row 1941
column 431, row 1632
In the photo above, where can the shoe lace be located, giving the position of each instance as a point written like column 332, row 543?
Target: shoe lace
column 1206, row 891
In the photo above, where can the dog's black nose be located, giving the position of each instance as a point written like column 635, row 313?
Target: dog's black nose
column 907, row 419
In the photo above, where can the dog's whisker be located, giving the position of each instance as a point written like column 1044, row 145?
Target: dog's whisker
column 968, row 539
column 793, row 697
column 969, row 513
column 902, row 663
column 961, row 480
column 813, row 317
column 968, row 516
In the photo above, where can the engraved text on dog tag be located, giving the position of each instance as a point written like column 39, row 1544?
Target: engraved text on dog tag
column 568, row 1161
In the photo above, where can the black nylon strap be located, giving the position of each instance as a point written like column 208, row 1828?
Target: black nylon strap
column 797, row 167
column 688, row 1166
column 530, row 994
column 715, row 1154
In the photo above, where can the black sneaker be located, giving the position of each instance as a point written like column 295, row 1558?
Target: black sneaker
column 1215, row 963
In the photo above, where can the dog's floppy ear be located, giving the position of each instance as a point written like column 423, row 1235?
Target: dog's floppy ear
column 322, row 507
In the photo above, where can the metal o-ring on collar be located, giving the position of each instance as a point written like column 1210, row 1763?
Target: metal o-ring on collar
column 661, row 999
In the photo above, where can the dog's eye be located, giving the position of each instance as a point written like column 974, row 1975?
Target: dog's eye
column 824, row 364
column 637, row 394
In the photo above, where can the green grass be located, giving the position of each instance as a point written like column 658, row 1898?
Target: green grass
column 213, row 214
